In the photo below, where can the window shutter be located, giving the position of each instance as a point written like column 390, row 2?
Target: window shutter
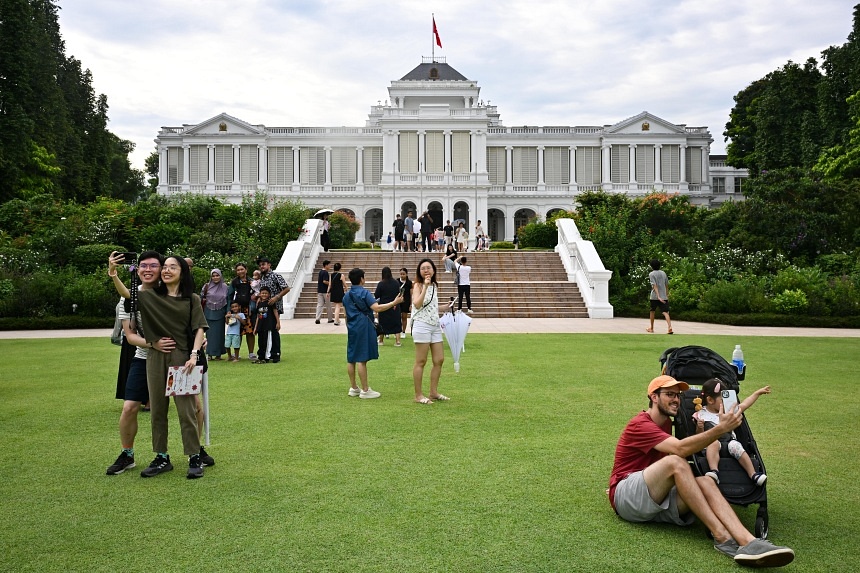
column 280, row 165
column 670, row 159
column 496, row 165
column 372, row 165
column 556, row 165
column 174, row 165
column 524, row 166
column 199, row 164
column 408, row 152
column 645, row 164
column 694, row 164
column 588, row 165
column 223, row 164
column 461, row 152
column 434, row 152
column 312, row 165
column 343, row 166
column 619, row 164
column 248, row 164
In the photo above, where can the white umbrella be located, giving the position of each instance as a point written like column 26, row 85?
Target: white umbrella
column 322, row 212
column 455, row 325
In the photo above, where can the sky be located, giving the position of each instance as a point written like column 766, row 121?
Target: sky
column 306, row 63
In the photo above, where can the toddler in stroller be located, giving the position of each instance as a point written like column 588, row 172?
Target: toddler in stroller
column 708, row 417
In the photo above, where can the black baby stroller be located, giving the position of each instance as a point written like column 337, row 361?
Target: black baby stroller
column 694, row 365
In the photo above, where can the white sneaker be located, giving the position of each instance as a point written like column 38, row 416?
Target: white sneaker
column 469, row 311
column 354, row 392
column 252, row 356
column 370, row 393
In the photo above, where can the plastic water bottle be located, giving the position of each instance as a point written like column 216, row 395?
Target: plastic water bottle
column 738, row 358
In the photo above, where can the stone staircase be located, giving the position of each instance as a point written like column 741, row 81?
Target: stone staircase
column 505, row 284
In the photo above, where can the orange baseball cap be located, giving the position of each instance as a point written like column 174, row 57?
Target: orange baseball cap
column 665, row 382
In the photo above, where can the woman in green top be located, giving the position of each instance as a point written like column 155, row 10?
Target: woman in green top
column 172, row 310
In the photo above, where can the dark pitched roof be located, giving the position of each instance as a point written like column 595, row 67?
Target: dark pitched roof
column 442, row 72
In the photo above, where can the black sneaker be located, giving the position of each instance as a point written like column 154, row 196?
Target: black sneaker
column 205, row 459
column 195, row 468
column 122, row 463
column 159, row 465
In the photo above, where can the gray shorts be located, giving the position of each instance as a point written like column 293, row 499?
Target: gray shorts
column 634, row 503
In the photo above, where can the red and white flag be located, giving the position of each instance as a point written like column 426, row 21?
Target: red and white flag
column 436, row 33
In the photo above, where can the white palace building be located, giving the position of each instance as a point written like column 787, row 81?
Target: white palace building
column 435, row 145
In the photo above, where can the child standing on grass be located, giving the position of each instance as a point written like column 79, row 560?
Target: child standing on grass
column 709, row 416
column 266, row 322
column 236, row 320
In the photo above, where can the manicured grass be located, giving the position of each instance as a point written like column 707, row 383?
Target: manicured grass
column 508, row 476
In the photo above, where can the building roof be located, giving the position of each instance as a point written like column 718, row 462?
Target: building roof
column 424, row 72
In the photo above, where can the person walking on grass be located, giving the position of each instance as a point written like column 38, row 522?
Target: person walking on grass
column 361, row 346
column 651, row 480
column 659, row 295
column 426, row 332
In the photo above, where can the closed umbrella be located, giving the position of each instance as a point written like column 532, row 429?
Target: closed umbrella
column 455, row 325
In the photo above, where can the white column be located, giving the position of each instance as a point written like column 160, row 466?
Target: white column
column 604, row 164
column 479, row 149
column 658, row 164
column 296, row 168
column 509, row 225
column 509, row 161
column 540, row 151
column 422, row 143
column 683, row 176
column 706, row 165
column 262, row 165
column 211, row 164
column 360, row 166
column 447, row 133
column 235, row 164
column 186, row 164
column 571, row 166
column 631, row 160
column 327, row 166
column 162, row 166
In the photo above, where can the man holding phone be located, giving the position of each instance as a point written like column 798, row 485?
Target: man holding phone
column 651, row 480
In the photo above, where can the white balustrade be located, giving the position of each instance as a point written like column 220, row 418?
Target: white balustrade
column 584, row 267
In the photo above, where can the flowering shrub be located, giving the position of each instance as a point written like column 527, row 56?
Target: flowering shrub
column 789, row 302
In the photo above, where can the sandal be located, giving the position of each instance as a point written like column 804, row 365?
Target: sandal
column 424, row 400
column 670, row 331
column 651, row 330
column 441, row 397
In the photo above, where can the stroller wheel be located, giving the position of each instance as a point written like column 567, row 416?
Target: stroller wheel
column 761, row 524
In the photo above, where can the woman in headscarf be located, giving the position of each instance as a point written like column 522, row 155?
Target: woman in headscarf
column 214, row 295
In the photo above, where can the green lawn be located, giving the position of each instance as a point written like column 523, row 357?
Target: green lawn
column 509, row 475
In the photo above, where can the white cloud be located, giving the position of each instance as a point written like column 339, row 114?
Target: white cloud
column 305, row 63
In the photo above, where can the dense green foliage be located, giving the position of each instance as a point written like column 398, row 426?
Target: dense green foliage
column 791, row 251
column 788, row 117
column 53, row 253
column 53, row 126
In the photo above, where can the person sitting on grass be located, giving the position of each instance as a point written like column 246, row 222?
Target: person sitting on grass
column 708, row 417
column 651, row 480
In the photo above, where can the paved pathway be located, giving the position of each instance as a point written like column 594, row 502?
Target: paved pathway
column 518, row 325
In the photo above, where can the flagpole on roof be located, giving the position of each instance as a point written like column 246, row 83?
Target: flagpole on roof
column 433, row 38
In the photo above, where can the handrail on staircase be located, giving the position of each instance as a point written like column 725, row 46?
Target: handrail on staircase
column 298, row 261
column 583, row 266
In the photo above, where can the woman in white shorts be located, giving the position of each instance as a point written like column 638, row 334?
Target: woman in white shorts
column 426, row 332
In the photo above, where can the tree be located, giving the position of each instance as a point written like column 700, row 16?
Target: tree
column 842, row 161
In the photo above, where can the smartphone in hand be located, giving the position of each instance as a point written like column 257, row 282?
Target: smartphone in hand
column 730, row 400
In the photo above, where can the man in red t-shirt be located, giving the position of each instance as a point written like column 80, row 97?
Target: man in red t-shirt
column 652, row 481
